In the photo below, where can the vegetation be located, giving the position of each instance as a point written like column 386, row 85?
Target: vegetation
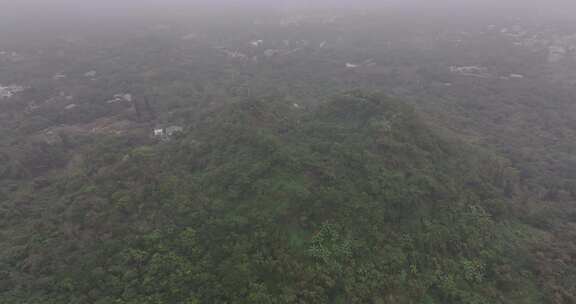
column 295, row 180
column 357, row 201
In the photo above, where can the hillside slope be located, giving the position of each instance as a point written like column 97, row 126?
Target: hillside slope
column 357, row 201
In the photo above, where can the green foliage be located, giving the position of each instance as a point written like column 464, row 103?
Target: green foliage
column 330, row 248
column 356, row 202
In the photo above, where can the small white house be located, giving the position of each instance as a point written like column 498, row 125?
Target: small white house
column 556, row 53
column 233, row 54
column 256, row 43
column 472, row 70
column 167, row 133
column 10, row 90
column 124, row 97
column 59, row 76
column 5, row 93
column 158, row 132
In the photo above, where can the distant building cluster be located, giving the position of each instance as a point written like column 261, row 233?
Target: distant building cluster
column 481, row 72
column 124, row 97
column 167, row 132
column 256, row 50
column 10, row 90
column 365, row 63
column 472, row 70
column 59, row 76
column 556, row 53
column 557, row 47
column 90, row 74
column 8, row 56
column 299, row 20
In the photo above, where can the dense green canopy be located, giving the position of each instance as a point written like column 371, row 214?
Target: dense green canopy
column 357, row 201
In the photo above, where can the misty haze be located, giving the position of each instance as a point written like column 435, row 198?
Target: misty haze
column 287, row 151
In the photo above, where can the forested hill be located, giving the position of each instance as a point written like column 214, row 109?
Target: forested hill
column 355, row 201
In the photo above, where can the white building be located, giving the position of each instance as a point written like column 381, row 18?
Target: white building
column 167, row 133
column 232, row 54
column 10, row 90
column 158, row 132
column 556, row 53
column 471, row 70
column 256, row 43
column 59, row 76
column 124, row 97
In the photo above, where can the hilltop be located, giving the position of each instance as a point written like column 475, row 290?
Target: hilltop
column 357, row 200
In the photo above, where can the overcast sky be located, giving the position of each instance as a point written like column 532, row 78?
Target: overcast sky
column 23, row 8
column 83, row 4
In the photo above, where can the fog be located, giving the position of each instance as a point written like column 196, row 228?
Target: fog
column 39, row 15
column 287, row 151
column 22, row 8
